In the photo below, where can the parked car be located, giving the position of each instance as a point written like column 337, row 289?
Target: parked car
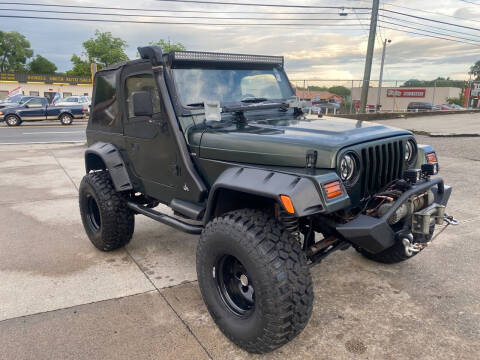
column 14, row 101
column 37, row 108
column 443, row 107
column 456, row 107
column 74, row 100
column 420, row 106
column 327, row 106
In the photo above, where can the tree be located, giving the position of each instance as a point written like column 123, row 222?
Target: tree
column 475, row 70
column 168, row 46
column 438, row 82
column 14, row 51
column 80, row 67
column 340, row 91
column 104, row 49
column 41, row 65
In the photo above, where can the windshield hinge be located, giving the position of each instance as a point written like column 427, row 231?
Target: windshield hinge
column 213, row 111
column 311, row 159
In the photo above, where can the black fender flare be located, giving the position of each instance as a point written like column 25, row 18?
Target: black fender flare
column 268, row 184
column 105, row 156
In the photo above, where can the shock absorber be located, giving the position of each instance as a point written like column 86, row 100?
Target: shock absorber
column 290, row 222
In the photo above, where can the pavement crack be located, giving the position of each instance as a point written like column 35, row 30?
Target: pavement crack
column 74, row 306
column 65, row 171
column 170, row 305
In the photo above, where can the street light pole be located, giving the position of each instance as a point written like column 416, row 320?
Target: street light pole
column 369, row 58
column 379, row 92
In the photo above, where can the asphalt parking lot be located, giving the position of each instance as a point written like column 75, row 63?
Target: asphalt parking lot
column 60, row 298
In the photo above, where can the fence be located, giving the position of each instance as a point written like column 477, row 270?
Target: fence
column 343, row 96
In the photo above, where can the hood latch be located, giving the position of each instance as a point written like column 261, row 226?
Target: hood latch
column 311, row 159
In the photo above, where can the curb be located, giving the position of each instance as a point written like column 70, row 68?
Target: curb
column 443, row 135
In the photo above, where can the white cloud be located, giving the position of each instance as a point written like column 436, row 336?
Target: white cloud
column 312, row 52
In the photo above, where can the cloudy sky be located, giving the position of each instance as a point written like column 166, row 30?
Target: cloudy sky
column 311, row 51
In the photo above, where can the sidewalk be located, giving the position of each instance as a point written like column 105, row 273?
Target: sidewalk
column 60, row 298
column 440, row 125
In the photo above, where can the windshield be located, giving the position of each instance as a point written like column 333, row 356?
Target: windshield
column 13, row 99
column 196, row 85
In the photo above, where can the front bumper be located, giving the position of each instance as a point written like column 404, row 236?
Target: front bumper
column 375, row 234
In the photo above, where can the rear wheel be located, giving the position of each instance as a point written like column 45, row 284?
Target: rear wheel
column 254, row 279
column 66, row 119
column 108, row 221
column 13, row 120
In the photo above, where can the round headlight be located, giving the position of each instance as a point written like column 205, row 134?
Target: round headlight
column 348, row 168
column 409, row 151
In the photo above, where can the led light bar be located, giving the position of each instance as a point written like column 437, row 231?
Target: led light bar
column 202, row 56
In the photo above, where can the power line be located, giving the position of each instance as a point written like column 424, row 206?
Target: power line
column 175, row 10
column 179, row 23
column 430, row 12
column 427, row 19
column 263, row 5
column 429, row 31
column 172, row 16
column 426, row 35
column 430, row 26
column 470, row 2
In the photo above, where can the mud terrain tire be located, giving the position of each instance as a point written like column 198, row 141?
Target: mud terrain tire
column 272, row 267
column 108, row 221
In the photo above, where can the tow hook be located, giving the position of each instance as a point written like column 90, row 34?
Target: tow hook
column 450, row 220
column 410, row 247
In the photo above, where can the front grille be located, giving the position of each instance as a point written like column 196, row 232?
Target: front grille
column 381, row 164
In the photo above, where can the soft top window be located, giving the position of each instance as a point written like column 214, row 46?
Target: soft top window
column 105, row 109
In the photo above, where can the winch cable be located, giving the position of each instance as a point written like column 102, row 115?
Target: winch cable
column 450, row 220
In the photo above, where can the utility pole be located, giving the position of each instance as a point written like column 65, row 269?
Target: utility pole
column 469, row 90
column 379, row 92
column 368, row 60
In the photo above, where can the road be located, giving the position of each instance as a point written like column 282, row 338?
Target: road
column 42, row 133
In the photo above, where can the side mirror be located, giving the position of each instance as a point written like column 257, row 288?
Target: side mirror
column 142, row 103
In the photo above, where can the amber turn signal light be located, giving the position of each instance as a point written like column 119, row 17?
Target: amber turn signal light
column 287, row 204
column 333, row 189
column 431, row 158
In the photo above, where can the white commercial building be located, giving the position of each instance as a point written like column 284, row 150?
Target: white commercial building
column 44, row 85
column 397, row 99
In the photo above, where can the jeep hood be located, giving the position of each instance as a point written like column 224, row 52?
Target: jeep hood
column 286, row 142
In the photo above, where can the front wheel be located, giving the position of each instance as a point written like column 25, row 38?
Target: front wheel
column 254, row 280
column 108, row 222
column 66, row 119
column 13, row 120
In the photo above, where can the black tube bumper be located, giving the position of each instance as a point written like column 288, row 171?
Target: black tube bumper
column 375, row 234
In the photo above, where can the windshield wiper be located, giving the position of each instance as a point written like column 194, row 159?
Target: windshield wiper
column 253, row 100
column 197, row 104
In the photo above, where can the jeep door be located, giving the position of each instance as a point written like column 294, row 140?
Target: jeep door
column 149, row 142
column 34, row 109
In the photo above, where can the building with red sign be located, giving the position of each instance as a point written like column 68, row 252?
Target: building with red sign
column 397, row 99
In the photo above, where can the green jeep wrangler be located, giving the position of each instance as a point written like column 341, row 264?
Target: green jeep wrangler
column 221, row 140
